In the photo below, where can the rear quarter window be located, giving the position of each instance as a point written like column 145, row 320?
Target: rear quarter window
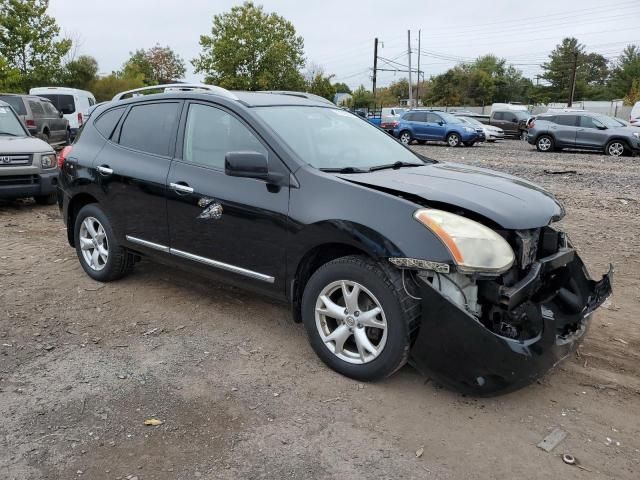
column 16, row 102
column 150, row 128
column 106, row 123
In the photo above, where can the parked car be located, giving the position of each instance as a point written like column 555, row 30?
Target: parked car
column 512, row 122
column 491, row 133
column 383, row 254
column 584, row 130
column 73, row 103
column 390, row 118
column 28, row 165
column 41, row 118
column 431, row 125
column 634, row 117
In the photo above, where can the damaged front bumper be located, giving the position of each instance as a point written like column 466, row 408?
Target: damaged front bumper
column 555, row 301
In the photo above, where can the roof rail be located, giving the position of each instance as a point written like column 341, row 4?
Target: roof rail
column 309, row 96
column 178, row 87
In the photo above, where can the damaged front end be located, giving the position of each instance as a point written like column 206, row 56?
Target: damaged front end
column 489, row 334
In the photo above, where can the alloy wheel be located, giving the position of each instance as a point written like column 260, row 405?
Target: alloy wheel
column 453, row 140
column 94, row 244
column 351, row 322
column 616, row 149
column 544, row 144
column 405, row 138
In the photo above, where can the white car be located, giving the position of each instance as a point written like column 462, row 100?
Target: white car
column 491, row 133
column 634, row 117
column 390, row 116
column 72, row 102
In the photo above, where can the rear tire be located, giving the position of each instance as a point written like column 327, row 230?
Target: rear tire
column 46, row 199
column 405, row 137
column 545, row 143
column 453, row 140
column 359, row 350
column 44, row 136
column 100, row 255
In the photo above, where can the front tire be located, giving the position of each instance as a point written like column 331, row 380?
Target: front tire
column 453, row 140
column 615, row 148
column 359, row 319
column 100, row 255
column 545, row 143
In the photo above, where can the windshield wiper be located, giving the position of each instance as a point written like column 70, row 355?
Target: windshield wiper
column 395, row 166
column 9, row 133
column 344, row 170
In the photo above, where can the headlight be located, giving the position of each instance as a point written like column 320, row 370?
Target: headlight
column 48, row 160
column 474, row 247
column 469, row 129
column 636, row 134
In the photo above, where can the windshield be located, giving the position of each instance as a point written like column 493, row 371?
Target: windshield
column 9, row 123
column 521, row 115
column 448, row 118
column 607, row 121
column 472, row 121
column 15, row 102
column 330, row 138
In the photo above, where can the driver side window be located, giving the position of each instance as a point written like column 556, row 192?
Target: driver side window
column 211, row 133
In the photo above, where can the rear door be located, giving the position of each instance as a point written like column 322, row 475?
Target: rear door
column 57, row 124
column 132, row 169
column 589, row 135
column 434, row 129
column 420, row 127
column 224, row 223
column 564, row 130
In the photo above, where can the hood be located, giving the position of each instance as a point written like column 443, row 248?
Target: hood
column 627, row 130
column 23, row 145
column 508, row 201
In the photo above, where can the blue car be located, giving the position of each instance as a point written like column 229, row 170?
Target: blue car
column 436, row 126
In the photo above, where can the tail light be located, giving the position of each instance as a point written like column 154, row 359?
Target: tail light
column 62, row 156
column 395, row 124
column 531, row 123
column 30, row 123
column 80, row 120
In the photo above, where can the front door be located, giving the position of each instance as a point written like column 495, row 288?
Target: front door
column 57, row 125
column 589, row 135
column 233, row 225
column 435, row 127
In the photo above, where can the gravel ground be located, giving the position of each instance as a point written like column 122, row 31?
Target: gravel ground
column 241, row 394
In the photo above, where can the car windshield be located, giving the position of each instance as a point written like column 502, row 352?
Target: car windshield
column 607, row 121
column 15, row 102
column 9, row 123
column 520, row 115
column 447, row 117
column 472, row 121
column 329, row 138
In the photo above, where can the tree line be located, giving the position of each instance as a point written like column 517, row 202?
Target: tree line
column 250, row 49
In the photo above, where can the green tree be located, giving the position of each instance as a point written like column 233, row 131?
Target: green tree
column 9, row 77
column 80, row 73
column 249, row 49
column 321, row 85
column 625, row 72
column 105, row 88
column 157, row 64
column 342, row 87
column 361, row 97
column 30, row 43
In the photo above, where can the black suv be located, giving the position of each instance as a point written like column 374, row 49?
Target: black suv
column 383, row 254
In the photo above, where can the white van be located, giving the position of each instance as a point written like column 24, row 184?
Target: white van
column 634, row 117
column 73, row 103
column 514, row 107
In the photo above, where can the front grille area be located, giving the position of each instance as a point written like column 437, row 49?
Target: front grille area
column 10, row 160
column 11, row 180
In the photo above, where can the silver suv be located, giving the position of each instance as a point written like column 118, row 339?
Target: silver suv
column 583, row 130
column 28, row 166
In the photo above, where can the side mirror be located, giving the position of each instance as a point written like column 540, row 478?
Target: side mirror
column 440, row 123
column 600, row 126
column 250, row 165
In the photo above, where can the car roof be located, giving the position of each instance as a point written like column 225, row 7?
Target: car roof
column 60, row 90
column 22, row 95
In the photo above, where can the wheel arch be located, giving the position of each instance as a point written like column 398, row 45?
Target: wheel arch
column 75, row 204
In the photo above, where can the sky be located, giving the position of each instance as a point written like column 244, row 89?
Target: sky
column 339, row 35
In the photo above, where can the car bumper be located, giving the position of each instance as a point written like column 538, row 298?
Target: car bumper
column 458, row 350
column 29, row 185
column 471, row 137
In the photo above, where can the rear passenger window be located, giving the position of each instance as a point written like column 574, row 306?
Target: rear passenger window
column 106, row 123
column 36, row 108
column 568, row 120
column 498, row 116
column 211, row 133
column 50, row 109
column 150, row 128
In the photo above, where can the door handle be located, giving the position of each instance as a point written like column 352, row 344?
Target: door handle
column 104, row 170
column 181, row 187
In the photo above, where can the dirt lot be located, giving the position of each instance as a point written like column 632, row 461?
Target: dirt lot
column 241, row 394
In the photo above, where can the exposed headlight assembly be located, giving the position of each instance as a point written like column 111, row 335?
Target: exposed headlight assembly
column 474, row 247
column 48, row 160
column 636, row 134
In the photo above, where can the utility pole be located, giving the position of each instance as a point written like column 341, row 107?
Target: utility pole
column 418, row 84
column 573, row 78
column 375, row 67
column 409, row 53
